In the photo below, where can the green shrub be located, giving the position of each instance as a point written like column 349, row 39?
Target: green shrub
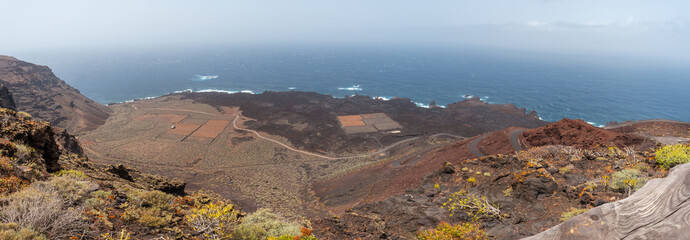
column 43, row 208
column 156, row 199
column 68, row 188
column 24, row 115
column 572, row 212
column 627, row 180
column 153, row 209
column 445, row 231
column 11, row 231
column 122, row 235
column 71, row 173
column 508, row 191
column 305, row 235
column 263, row 224
column 672, row 155
column 155, row 218
column 591, row 185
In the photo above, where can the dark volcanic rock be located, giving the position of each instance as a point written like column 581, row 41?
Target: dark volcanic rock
column 68, row 142
column 532, row 188
column 35, row 134
column 148, row 181
column 6, row 99
column 39, row 92
column 321, row 131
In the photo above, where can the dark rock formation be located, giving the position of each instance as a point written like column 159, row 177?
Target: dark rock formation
column 148, row 181
column 68, row 142
column 35, row 134
column 322, row 131
column 6, row 99
column 39, row 92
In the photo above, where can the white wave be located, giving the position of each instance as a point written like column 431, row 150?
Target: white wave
column 216, row 91
column 351, row 88
column 138, row 99
column 421, row 105
column 188, row 90
column 595, row 124
column 199, row 78
column 292, row 88
column 467, row 96
column 248, row 91
column 383, row 98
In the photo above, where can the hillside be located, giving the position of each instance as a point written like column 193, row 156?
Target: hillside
column 50, row 193
column 281, row 164
column 513, row 195
column 37, row 91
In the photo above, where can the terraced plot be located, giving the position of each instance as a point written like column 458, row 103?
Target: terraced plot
column 367, row 123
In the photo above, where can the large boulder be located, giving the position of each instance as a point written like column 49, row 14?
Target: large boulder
column 658, row 210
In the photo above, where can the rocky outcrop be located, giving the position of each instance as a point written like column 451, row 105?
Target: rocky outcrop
column 37, row 135
column 6, row 99
column 659, row 210
column 39, row 92
column 148, row 181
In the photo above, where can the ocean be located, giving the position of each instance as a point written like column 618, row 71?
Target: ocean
column 597, row 89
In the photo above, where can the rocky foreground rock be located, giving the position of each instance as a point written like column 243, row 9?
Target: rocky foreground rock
column 659, row 210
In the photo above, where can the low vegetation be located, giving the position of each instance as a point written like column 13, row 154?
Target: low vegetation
column 79, row 200
column 476, row 206
column 572, row 213
column 263, row 224
column 214, row 220
column 48, row 207
column 627, row 181
column 445, row 231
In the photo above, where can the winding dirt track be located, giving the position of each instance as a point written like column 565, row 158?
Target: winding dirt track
column 474, row 146
column 514, row 139
column 234, row 124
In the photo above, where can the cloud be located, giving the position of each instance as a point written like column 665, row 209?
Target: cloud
column 632, row 24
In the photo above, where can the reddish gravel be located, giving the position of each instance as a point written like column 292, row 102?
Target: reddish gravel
column 579, row 134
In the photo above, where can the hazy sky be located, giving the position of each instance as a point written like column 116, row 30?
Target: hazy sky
column 658, row 28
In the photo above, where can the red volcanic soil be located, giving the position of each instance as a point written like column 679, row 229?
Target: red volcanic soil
column 379, row 182
column 498, row 142
column 577, row 133
column 662, row 128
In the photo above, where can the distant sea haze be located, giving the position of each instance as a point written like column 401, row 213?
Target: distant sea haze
column 589, row 88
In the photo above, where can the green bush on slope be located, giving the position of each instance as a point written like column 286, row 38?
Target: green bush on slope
column 263, row 224
column 47, row 207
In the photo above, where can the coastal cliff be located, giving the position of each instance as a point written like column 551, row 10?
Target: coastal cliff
column 37, row 91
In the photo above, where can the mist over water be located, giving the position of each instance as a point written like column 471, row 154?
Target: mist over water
column 595, row 89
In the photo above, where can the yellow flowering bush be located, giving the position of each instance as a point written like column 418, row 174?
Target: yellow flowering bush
column 672, row 155
column 213, row 220
column 477, row 206
column 445, row 231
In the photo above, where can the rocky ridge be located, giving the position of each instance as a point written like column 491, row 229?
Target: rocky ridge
column 37, row 91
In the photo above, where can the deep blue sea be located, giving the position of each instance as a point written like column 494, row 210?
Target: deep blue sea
column 597, row 89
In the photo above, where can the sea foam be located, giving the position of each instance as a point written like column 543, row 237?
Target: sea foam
column 351, row 88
